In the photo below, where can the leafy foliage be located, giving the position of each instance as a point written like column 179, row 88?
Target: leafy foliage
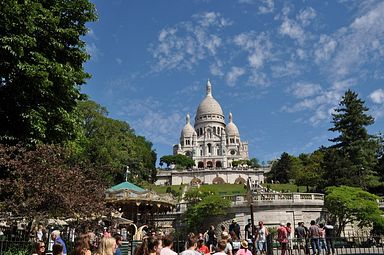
column 41, row 68
column 281, row 169
column 112, row 145
column 181, row 161
column 253, row 162
column 211, row 205
column 348, row 204
column 39, row 182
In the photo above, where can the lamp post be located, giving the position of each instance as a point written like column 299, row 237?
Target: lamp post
column 127, row 173
column 250, row 203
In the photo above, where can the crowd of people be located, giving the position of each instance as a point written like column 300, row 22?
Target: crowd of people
column 318, row 237
column 230, row 241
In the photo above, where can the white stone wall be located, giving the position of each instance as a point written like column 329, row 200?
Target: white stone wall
column 207, row 176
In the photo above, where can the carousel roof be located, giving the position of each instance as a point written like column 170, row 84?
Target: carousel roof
column 128, row 193
column 126, row 185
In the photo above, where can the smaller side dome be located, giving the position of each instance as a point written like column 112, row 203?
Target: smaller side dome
column 231, row 128
column 188, row 130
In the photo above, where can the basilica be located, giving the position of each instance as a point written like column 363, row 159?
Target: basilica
column 214, row 145
column 211, row 142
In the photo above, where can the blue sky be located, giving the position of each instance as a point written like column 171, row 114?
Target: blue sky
column 280, row 67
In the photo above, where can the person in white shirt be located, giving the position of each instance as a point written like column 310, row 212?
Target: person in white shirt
column 167, row 246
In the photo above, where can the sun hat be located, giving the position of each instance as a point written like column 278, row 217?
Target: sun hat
column 244, row 244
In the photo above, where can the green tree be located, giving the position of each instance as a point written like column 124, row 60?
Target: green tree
column 112, row 146
column 211, row 205
column 181, row 161
column 41, row 68
column 281, row 169
column 350, row 204
column 354, row 144
column 310, row 173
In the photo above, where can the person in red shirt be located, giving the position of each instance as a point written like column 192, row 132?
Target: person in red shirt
column 201, row 247
column 282, row 237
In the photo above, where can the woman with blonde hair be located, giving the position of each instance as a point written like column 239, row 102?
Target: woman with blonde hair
column 107, row 246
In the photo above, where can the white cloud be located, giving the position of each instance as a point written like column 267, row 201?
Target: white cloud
column 258, row 79
column 292, row 29
column 119, row 61
column 156, row 125
column 359, row 44
column 184, row 45
column 267, row 6
column 325, row 48
column 303, row 90
column 289, row 68
column 306, row 16
column 234, row 74
column 257, row 45
column 93, row 51
column 377, row 96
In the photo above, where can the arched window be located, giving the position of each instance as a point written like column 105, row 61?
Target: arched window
column 214, row 130
column 209, row 147
column 201, row 131
column 218, row 131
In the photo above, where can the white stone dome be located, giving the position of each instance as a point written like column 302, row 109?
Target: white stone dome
column 231, row 128
column 188, row 130
column 209, row 105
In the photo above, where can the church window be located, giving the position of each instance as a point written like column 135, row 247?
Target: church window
column 197, row 132
column 218, row 152
column 232, row 140
column 201, row 152
column 209, row 148
column 187, row 142
column 214, row 130
column 237, row 140
column 218, row 131
column 201, row 131
column 233, row 152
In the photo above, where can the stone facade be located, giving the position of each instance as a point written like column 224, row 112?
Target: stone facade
column 211, row 142
column 209, row 176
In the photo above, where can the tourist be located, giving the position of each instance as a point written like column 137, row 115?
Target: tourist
column 322, row 243
column 57, row 249
column 55, row 236
column 282, row 237
column 212, row 240
column 39, row 248
column 300, row 235
column 235, row 227
column 119, row 242
column 289, row 233
column 82, row 245
column 107, row 246
column 225, row 238
column 167, row 246
column 151, row 246
column 248, row 231
column 244, row 249
column 329, row 235
column 201, row 247
column 221, row 246
column 192, row 245
column 261, row 238
column 314, row 235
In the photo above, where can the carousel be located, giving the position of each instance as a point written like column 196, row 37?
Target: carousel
column 139, row 205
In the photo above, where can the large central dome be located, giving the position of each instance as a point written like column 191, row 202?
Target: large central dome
column 209, row 106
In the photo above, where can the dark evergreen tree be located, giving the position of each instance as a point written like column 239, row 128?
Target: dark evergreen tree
column 354, row 148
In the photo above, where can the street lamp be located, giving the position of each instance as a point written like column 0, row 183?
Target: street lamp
column 127, row 173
